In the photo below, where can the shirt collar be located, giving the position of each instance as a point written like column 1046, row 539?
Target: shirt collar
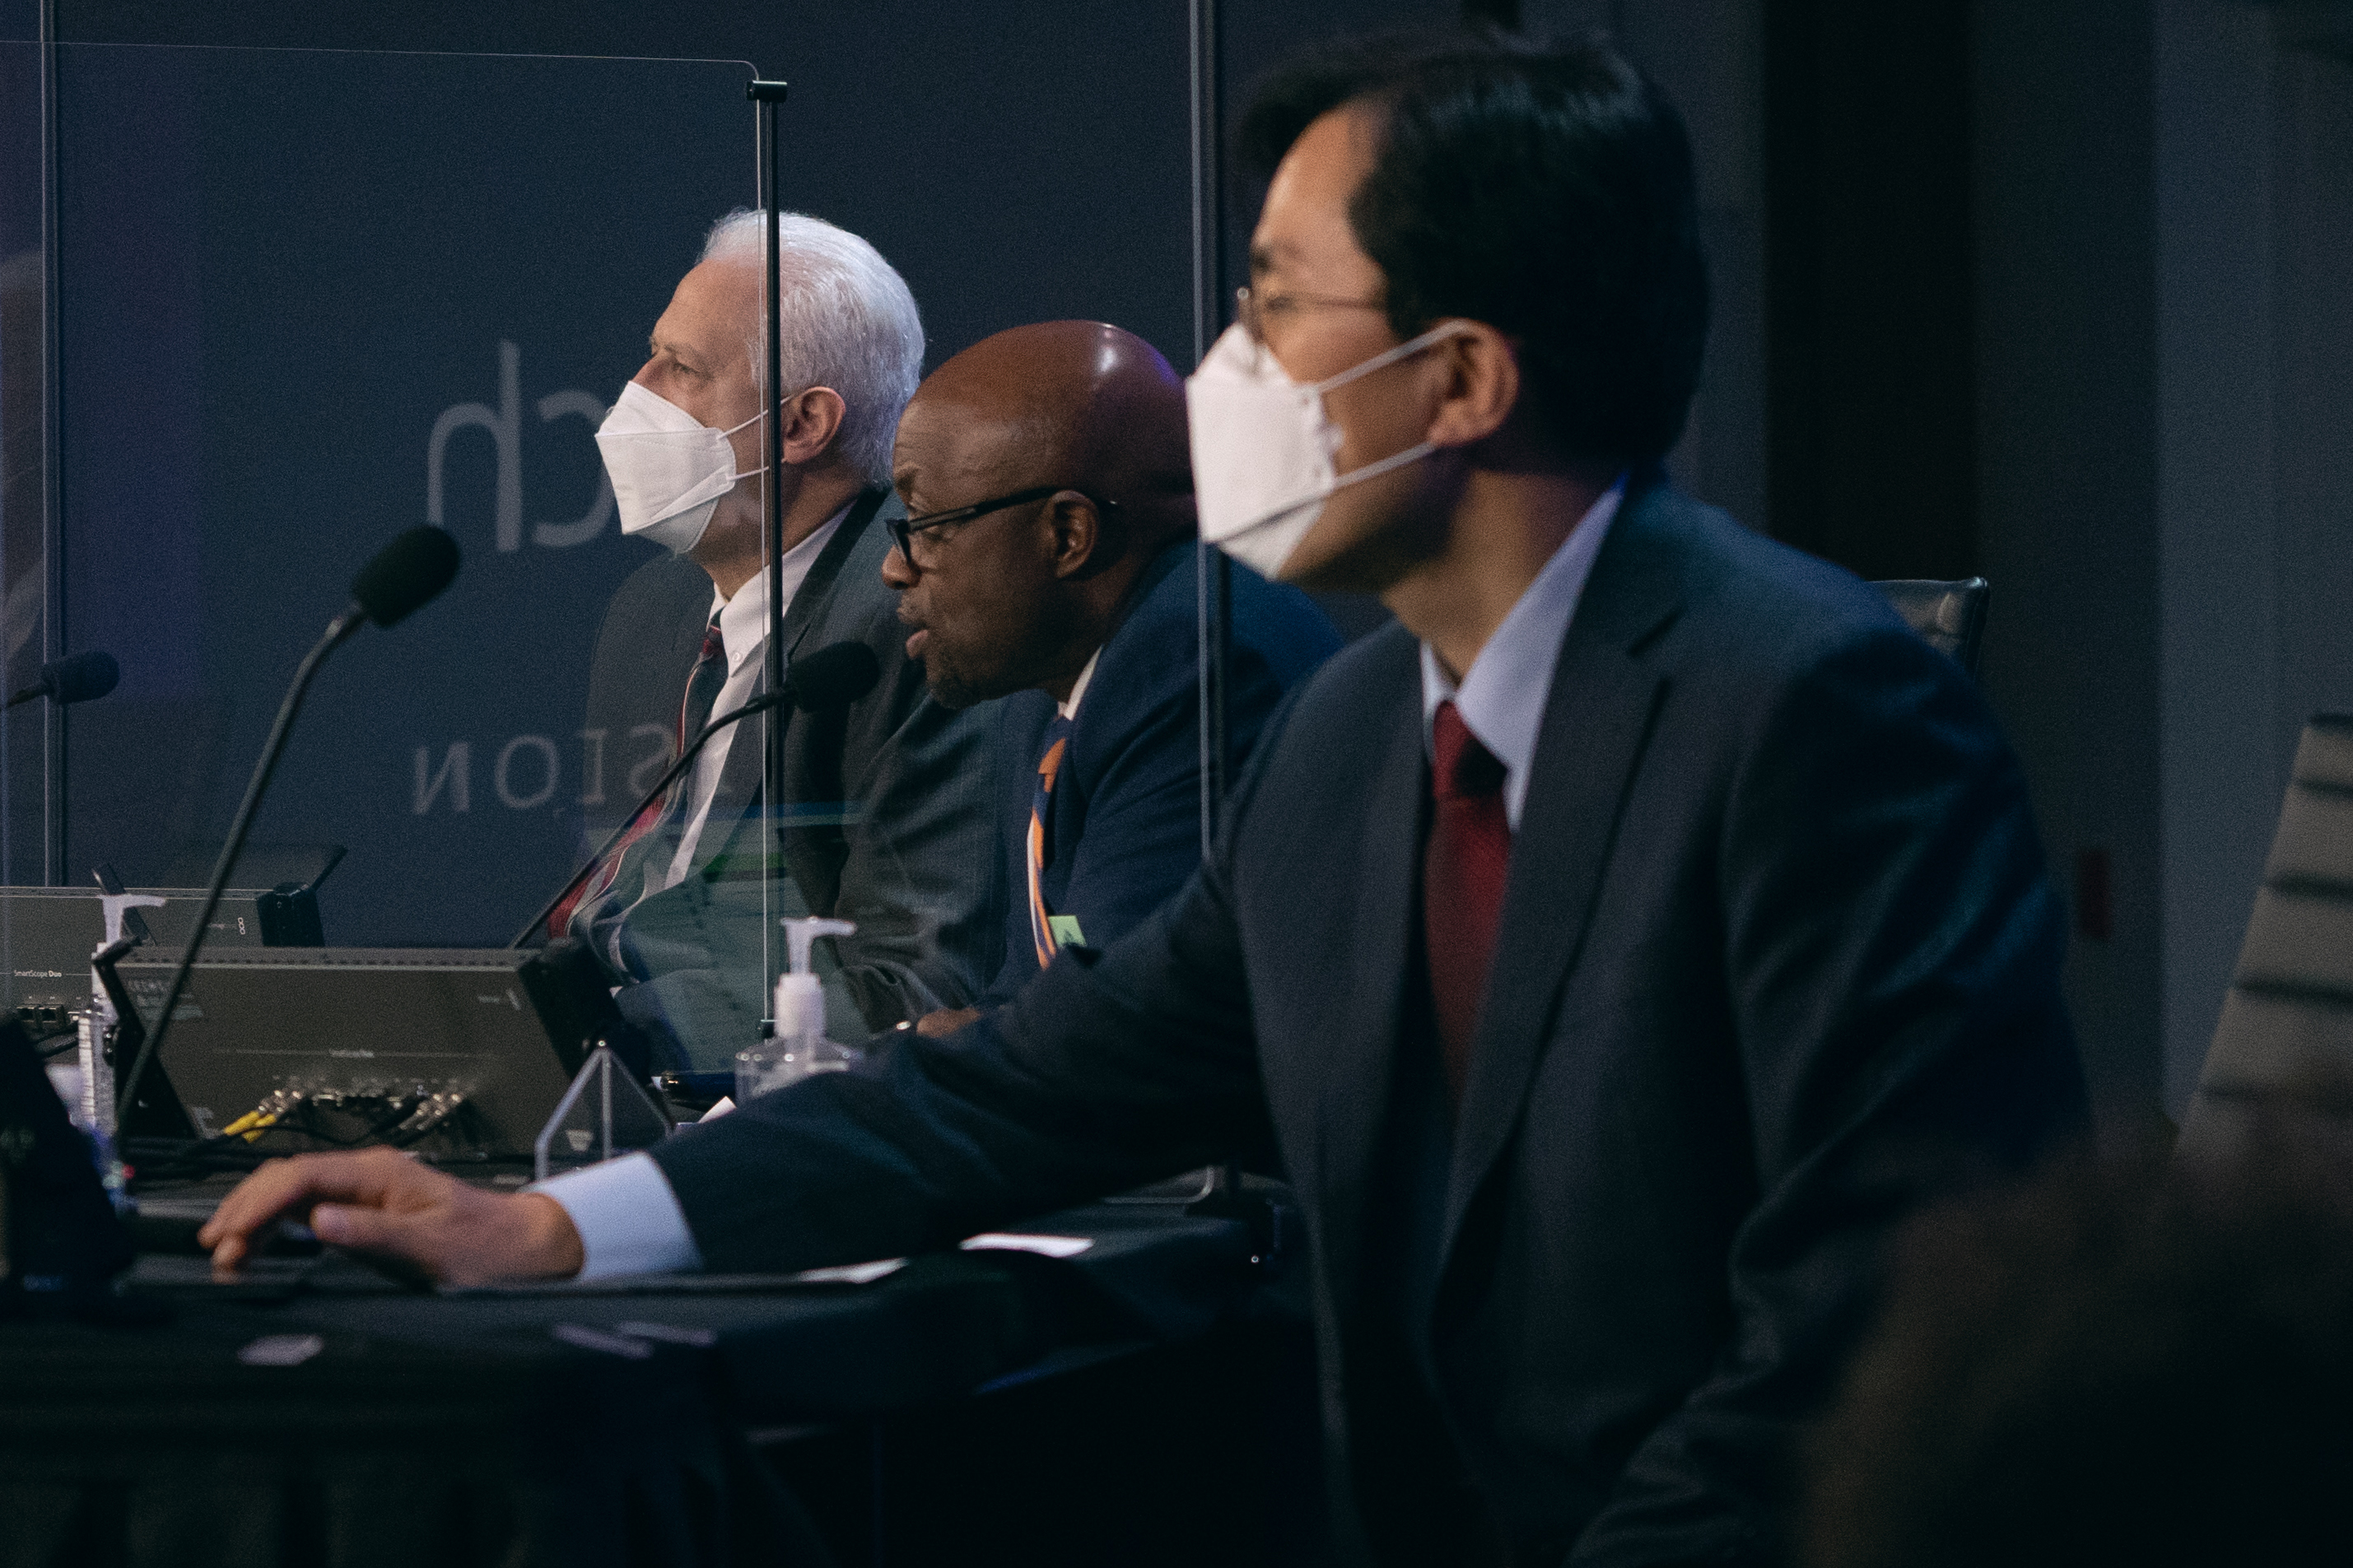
column 1502, row 697
column 743, row 619
column 1069, row 707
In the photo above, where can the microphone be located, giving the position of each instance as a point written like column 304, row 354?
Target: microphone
column 833, row 676
column 402, row 577
column 405, row 575
column 78, row 679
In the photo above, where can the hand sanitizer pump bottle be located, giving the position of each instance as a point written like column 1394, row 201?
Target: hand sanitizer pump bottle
column 800, row 1047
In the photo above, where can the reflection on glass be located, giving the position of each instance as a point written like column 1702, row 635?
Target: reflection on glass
column 310, row 298
column 24, row 465
column 885, row 816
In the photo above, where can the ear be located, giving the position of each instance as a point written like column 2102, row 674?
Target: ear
column 1480, row 368
column 1079, row 541
column 810, row 420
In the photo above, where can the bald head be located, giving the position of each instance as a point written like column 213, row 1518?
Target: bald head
column 1021, row 596
column 1081, row 403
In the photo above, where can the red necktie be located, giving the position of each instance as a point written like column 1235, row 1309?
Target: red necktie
column 1462, row 871
column 702, row 684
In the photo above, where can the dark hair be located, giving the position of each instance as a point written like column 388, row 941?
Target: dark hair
column 2152, row 1368
column 1545, row 190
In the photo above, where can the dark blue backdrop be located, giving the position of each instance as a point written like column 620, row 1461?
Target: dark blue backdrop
column 285, row 269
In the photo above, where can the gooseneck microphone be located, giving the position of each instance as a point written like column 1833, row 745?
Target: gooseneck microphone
column 833, row 676
column 405, row 575
column 77, row 679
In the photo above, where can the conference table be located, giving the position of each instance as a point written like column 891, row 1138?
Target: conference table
column 1124, row 1382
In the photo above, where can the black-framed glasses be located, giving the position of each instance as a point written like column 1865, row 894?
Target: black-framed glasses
column 1254, row 310
column 903, row 530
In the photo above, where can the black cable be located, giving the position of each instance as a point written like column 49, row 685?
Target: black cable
column 418, row 1134
column 240, row 1150
column 403, row 1107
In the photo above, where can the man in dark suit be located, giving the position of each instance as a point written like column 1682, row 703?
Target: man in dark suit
column 1618, row 947
column 887, row 810
column 1076, row 602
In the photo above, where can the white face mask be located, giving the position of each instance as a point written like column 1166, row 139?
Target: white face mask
column 669, row 470
column 1263, row 447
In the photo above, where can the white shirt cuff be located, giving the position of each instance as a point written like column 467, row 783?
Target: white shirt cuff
column 628, row 1217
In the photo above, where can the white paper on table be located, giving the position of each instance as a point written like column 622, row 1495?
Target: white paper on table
column 853, row 1273
column 1044, row 1246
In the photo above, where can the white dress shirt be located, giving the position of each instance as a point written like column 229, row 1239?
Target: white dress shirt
column 626, row 1214
column 628, row 1217
column 1068, row 706
column 1503, row 694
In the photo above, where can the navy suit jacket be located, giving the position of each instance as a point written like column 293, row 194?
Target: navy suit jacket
column 1779, row 962
column 1125, row 830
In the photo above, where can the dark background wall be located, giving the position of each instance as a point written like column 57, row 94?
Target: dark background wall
column 1017, row 162
column 1871, row 426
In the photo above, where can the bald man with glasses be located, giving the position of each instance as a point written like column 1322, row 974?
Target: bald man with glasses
column 1047, row 559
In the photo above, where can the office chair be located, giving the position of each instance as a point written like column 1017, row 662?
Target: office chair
column 2287, row 1030
column 1949, row 616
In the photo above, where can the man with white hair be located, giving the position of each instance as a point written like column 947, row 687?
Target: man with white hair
column 886, row 816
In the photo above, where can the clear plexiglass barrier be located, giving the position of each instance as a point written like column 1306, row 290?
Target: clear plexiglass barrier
column 271, row 308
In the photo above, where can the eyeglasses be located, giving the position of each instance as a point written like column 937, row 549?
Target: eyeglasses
column 1254, row 311
column 903, row 530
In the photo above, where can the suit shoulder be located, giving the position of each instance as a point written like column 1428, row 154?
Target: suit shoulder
column 858, row 594
column 1755, row 604
column 1157, row 646
column 1282, row 623
column 1772, row 642
column 1367, row 673
column 661, row 591
column 856, row 605
column 652, row 621
column 1274, row 619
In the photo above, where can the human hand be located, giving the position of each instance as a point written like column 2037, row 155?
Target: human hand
column 946, row 1021
column 399, row 1214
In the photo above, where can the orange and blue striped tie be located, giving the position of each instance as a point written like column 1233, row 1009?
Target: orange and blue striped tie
column 1050, row 765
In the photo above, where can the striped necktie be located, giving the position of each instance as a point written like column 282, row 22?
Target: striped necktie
column 702, row 684
column 1041, row 803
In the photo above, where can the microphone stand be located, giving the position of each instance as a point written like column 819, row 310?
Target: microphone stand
column 775, row 698
column 339, row 631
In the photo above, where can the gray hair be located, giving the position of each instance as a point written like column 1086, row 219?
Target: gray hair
column 849, row 323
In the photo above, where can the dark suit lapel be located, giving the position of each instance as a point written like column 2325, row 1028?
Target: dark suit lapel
column 1369, row 980
column 1598, row 718
column 740, row 783
column 825, row 569
column 1097, row 719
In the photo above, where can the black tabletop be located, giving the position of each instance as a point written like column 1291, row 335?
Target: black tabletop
column 321, row 1413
